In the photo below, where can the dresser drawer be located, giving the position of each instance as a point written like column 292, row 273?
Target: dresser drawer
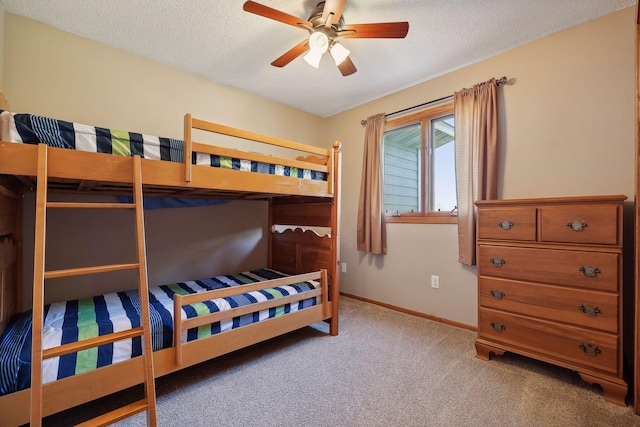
column 551, row 266
column 575, row 345
column 584, row 308
column 589, row 224
column 508, row 223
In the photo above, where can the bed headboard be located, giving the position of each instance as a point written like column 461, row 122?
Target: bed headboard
column 301, row 249
column 297, row 251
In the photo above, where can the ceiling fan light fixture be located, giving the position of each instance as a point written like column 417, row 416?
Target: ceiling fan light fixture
column 318, row 45
column 339, row 53
column 313, row 58
column 325, row 24
column 318, row 41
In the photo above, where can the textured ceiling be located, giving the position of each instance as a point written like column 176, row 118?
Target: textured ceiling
column 219, row 41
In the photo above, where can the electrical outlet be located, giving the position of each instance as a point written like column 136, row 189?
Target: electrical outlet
column 435, row 281
column 344, row 267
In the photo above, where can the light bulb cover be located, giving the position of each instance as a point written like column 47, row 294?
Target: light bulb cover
column 318, row 41
column 313, row 58
column 339, row 53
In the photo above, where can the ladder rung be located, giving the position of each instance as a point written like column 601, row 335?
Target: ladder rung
column 117, row 414
column 97, row 205
column 91, row 343
column 55, row 274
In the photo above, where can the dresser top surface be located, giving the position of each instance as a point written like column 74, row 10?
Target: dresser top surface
column 617, row 198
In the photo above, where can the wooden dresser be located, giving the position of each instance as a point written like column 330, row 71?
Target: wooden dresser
column 550, row 284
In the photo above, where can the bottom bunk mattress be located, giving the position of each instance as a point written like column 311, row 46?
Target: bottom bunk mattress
column 75, row 320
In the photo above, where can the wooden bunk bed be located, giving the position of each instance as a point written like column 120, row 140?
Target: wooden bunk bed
column 302, row 205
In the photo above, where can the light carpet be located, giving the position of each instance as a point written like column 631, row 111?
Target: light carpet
column 385, row 368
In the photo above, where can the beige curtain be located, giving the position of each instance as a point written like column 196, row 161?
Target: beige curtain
column 476, row 130
column 372, row 234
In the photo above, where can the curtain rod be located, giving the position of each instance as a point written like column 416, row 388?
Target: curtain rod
column 499, row 82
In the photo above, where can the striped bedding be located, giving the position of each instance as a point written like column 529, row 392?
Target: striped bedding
column 34, row 129
column 75, row 320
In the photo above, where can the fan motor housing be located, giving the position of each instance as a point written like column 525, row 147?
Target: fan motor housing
column 316, row 18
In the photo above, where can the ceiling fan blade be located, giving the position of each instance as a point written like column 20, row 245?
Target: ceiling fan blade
column 347, row 68
column 292, row 54
column 276, row 15
column 334, row 7
column 383, row 30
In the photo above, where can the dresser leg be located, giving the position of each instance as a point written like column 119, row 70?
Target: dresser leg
column 612, row 391
column 483, row 351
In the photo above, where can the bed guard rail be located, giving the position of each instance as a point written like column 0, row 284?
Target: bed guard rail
column 181, row 325
column 318, row 159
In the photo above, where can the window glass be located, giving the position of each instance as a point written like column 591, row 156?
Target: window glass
column 419, row 166
column 443, row 185
column 402, row 169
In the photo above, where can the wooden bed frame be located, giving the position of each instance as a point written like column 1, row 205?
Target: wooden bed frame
column 299, row 204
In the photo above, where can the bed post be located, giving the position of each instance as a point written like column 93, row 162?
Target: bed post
column 19, row 256
column 10, row 248
column 335, row 236
column 188, row 124
column 270, row 234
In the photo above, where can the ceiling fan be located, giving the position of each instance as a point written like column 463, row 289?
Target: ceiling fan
column 325, row 26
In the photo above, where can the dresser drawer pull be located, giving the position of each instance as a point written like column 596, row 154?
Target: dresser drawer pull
column 577, row 225
column 590, row 349
column 506, row 225
column 499, row 327
column 497, row 294
column 589, row 310
column 498, row 262
column 590, row 271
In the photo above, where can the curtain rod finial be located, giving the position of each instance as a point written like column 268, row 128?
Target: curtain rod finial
column 363, row 122
column 505, row 81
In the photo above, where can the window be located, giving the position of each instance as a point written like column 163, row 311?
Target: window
column 419, row 167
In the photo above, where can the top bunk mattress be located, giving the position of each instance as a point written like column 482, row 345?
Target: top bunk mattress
column 35, row 129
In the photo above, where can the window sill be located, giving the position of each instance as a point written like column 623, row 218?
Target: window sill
column 435, row 218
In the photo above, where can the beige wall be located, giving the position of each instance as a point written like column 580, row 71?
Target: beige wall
column 57, row 74
column 182, row 244
column 567, row 128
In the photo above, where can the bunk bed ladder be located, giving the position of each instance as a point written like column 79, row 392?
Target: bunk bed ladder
column 40, row 275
